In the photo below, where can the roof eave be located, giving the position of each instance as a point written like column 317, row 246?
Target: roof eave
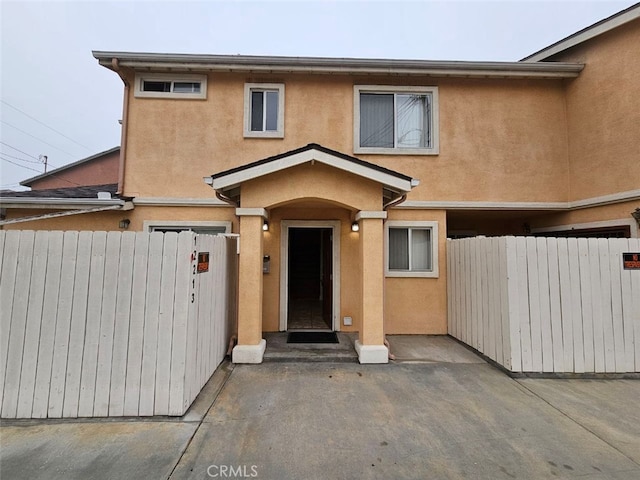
column 592, row 31
column 336, row 66
column 57, row 203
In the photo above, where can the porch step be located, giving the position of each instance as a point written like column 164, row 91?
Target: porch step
column 278, row 350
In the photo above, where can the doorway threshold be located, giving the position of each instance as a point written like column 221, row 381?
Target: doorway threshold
column 278, row 350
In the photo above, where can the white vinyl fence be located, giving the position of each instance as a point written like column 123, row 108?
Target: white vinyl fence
column 97, row 324
column 562, row 305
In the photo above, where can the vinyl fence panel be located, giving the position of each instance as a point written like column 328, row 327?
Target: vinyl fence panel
column 111, row 324
column 561, row 305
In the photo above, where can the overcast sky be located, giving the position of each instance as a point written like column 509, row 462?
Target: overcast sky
column 57, row 101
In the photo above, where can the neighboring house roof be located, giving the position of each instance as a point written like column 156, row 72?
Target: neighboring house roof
column 89, row 191
column 592, row 31
column 55, row 172
column 320, row 65
column 391, row 179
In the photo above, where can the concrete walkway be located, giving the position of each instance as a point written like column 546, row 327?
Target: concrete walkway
column 440, row 412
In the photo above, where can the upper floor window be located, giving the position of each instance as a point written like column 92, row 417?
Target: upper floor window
column 162, row 85
column 264, row 110
column 396, row 120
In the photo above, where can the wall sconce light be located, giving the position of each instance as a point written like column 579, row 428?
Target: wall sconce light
column 355, row 227
column 265, row 226
column 636, row 214
column 124, row 224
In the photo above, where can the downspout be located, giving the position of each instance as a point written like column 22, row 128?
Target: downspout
column 224, row 198
column 394, row 202
column 125, row 115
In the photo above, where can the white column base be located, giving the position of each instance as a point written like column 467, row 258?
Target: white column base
column 372, row 353
column 249, row 353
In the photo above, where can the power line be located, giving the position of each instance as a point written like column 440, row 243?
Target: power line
column 18, row 158
column 39, row 139
column 42, row 123
column 19, row 165
column 41, row 173
column 14, row 148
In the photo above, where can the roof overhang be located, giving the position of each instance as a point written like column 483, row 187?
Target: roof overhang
column 333, row 66
column 592, row 31
column 391, row 180
column 59, row 203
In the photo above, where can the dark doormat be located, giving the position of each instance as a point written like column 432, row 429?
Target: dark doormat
column 312, row 337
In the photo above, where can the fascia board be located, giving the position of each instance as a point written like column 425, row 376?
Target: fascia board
column 257, row 171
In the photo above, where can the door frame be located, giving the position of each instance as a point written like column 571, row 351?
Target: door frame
column 334, row 225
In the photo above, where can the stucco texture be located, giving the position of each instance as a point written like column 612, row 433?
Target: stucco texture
column 603, row 113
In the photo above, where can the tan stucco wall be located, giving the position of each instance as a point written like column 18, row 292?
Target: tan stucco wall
column 500, row 140
column 603, row 111
column 419, row 305
column 100, row 221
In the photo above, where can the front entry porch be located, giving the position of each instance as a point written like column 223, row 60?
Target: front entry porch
column 311, row 238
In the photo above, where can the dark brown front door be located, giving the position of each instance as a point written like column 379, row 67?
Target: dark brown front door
column 310, row 296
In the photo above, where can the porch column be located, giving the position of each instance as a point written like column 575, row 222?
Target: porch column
column 370, row 344
column 251, row 345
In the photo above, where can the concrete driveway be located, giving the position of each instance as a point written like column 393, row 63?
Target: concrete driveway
column 439, row 413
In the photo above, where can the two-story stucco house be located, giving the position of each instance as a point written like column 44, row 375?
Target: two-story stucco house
column 344, row 177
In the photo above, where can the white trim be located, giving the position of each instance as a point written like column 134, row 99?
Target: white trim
column 435, row 271
column 248, row 88
column 172, row 77
column 252, row 212
column 372, row 353
column 284, row 266
column 588, row 225
column 150, row 225
column 620, row 197
column 59, row 203
column 247, row 63
column 66, row 213
column 249, row 353
column 179, row 202
column 370, row 214
column 236, row 178
column 584, row 35
column 435, row 130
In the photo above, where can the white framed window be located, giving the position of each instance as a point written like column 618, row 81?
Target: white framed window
column 201, row 227
column 264, row 110
column 165, row 85
column 395, row 120
column 411, row 249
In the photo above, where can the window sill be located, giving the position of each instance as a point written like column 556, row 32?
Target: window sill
column 396, row 151
column 397, row 274
column 263, row 134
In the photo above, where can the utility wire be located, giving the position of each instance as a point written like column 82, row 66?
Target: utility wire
column 14, row 148
column 41, row 173
column 39, row 139
column 21, row 159
column 42, row 123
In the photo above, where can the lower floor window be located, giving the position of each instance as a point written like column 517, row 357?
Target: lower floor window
column 200, row 227
column 412, row 249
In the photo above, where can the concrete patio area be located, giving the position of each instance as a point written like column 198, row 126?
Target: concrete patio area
column 438, row 412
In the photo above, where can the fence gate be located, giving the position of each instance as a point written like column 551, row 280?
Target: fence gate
column 547, row 304
column 111, row 323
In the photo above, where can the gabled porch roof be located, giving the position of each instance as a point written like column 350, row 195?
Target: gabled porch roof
column 390, row 179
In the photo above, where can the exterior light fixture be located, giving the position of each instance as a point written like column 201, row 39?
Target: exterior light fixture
column 355, row 227
column 636, row 214
column 265, row 226
column 124, row 224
